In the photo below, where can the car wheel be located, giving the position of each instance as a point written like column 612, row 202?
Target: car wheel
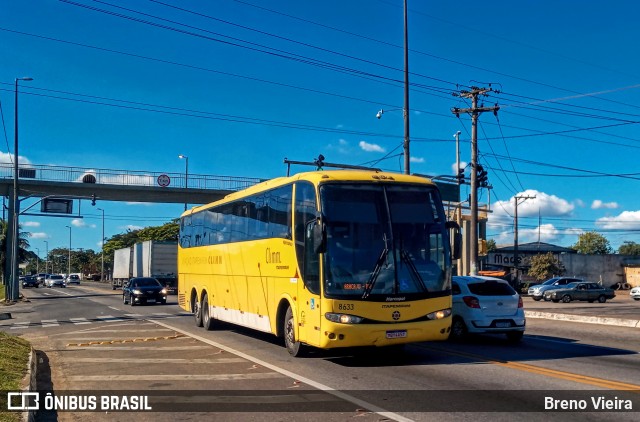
column 515, row 336
column 132, row 301
column 602, row 299
column 164, row 302
column 566, row 298
column 458, row 329
column 124, row 299
column 546, row 299
column 294, row 347
column 636, row 298
column 207, row 321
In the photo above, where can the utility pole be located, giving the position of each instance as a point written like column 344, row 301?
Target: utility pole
column 515, row 234
column 474, row 111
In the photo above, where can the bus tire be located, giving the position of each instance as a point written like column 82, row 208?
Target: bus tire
column 207, row 322
column 294, row 347
column 197, row 312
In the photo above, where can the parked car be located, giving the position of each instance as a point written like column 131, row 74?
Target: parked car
column 42, row 277
column 486, row 305
column 635, row 293
column 537, row 292
column 580, row 291
column 55, row 280
column 142, row 290
column 73, row 278
column 30, row 281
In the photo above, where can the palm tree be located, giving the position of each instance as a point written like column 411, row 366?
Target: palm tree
column 23, row 244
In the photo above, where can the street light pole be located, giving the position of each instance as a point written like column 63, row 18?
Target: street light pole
column 11, row 289
column 69, row 263
column 407, row 156
column 186, row 174
column 38, row 261
column 102, row 246
column 46, row 263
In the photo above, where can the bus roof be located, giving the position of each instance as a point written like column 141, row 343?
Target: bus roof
column 319, row 177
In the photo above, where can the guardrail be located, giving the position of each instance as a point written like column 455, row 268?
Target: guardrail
column 125, row 177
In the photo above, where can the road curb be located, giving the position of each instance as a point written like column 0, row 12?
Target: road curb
column 30, row 384
column 620, row 322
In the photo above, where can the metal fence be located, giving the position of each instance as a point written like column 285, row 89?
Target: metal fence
column 126, row 177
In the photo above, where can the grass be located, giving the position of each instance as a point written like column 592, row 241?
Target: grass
column 14, row 357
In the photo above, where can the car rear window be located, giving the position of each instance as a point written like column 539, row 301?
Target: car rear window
column 491, row 288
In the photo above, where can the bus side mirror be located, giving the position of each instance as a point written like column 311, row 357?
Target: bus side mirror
column 316, row 236
column 456, row 239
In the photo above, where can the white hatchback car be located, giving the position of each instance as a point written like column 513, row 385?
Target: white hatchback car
column 486, row 305
column 635, row 293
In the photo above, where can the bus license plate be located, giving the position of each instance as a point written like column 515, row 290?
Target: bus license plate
column 397, row 334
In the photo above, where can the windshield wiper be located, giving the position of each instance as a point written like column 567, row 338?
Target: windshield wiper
column 413, row 270
column 376, row 269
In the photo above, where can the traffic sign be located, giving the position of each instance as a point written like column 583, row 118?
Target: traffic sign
column 164, row 180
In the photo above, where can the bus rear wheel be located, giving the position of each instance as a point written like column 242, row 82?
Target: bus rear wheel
column 294, row 347
column 207, row 320
column 197, row 312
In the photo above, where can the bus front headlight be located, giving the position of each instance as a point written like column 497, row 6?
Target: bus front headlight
column 443, row 313
column 343, row 318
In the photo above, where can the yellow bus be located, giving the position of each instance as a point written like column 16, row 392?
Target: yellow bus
column 326, row 259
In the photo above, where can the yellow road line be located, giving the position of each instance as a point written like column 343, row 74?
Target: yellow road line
column 567, row 376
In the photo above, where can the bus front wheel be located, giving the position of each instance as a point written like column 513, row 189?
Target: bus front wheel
column 294, row 347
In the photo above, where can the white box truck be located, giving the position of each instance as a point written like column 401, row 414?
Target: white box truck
column 159, row 260
column 122, row 260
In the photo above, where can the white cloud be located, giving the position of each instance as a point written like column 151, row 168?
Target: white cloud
column 30, row 224
column 416, row 159
column 545, row 232
column 543, row 204
column 39, row 235
column 6, row 158
column 598, row 204
column 626, row 220
column 370, row 147
column 454, row 168
column 80, row 223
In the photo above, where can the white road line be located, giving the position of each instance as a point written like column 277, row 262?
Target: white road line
column 19, row 325
column 134, row 315
column 157, row 360
column 361, row 403
column 80, row 321
column 50, row 323
column 114, row 308
column 175, row 377
column 108, row 318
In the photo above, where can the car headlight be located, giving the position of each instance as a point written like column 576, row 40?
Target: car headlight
column 163, row 291
column 343, row 318
column 136, row 292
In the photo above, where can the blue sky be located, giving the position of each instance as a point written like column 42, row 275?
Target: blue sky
column 239, row 85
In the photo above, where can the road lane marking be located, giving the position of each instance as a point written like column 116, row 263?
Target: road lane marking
column 19, row 325
column 134, row 315
column 50, row 323
column 340, row 394
column 141, row 346
column 567, row 376
column 157, row 360
column 79, row 321
column 108, row 318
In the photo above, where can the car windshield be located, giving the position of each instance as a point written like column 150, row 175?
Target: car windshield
column 56, row 277
column 383, row 240
column 550, row 281
column 491, row 288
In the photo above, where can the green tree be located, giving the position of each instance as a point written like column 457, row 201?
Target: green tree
column 491, row 245
column 166, row 232
column 544, row 266
column 23, row 244
column 592, row 243
column 629, row 248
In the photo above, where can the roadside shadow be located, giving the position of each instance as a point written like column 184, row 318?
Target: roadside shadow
column 44, row 383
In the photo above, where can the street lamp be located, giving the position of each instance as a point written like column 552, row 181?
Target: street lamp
column 46, row 264
column 69, row 263
column 186, row 174
column 12, row 286
column 102, row 246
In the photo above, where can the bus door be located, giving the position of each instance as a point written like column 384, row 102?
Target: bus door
column 309, row 306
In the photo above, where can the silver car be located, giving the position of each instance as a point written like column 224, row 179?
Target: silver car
column 537, row 291
column 55, row 280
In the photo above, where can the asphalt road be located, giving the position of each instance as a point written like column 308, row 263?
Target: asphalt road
column 90, row 342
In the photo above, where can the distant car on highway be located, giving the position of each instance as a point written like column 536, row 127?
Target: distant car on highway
column 580, row 291
column 635, row 293
column 73, row 279
column 42, row 277
column 486, row 305
column 55, row 280
column 143, row 290
column 537, row 291
column 29, row 281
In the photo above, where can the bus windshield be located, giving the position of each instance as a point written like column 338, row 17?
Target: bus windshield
column 384, row 241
